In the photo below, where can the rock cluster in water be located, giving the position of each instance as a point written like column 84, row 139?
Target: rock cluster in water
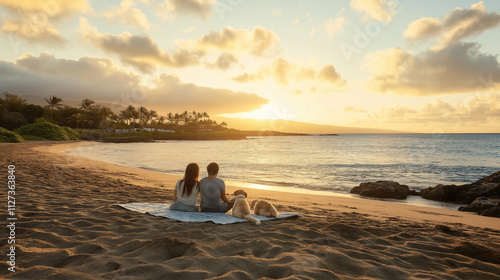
column 382, row 189
column 482, row 196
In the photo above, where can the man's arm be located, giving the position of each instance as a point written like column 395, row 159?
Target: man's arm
column 175, row 194
column 223, row 196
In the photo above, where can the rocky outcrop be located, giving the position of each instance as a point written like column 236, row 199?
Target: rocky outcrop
column 446, row 193
column 382, row 189
column 486, row 187
column 484, row 206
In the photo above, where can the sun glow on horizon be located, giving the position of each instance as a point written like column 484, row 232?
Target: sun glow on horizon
column 267, row 112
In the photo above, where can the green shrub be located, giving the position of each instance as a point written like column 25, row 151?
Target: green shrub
column 10, row 136
column 92, row 134
column 73, row 135
column 46, row 130
column 32, row 137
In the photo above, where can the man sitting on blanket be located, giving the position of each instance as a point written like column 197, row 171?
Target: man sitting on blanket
column 212, row 191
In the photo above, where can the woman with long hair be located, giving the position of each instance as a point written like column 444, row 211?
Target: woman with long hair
column 187, row 189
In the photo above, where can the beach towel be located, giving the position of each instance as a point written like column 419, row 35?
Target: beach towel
column 161, row 210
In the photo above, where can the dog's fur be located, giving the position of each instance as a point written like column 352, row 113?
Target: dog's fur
column 241, row 208
column 264, row 208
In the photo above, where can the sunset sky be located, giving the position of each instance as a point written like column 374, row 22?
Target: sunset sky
column 422, row 66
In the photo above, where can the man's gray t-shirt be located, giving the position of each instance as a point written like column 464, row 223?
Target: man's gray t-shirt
column 210, row 190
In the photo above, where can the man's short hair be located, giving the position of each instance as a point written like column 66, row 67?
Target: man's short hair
column 213, row 168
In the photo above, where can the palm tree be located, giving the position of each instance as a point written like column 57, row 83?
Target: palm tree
column 170, row 117
column 177, row 118
column 53, row 102
column 87, row 104
column 78, row 117
column 105, row 112
column 131, row 113
column 152, row 114
column 161, row 120
column 185, row 116
column 143, row 115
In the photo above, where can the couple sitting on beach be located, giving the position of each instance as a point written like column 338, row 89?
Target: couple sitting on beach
column 212, row 191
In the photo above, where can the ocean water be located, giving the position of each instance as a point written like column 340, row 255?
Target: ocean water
column 322, row 163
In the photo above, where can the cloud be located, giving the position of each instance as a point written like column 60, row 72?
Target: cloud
column 34, row 21
column 380, row 10
column 258, row 41
column 422, row 29
column 45, row 33
column 223, row 62
column 455, row 26
column 458, row 68
column 142, row 52
column 333, row 26
column 172, row 92
column 170, row 9
column 102, row 80
column 481, row 109
column 129, row 14
column 354, row 109
column 283, row 72
column 139, row 51
column 53, row 9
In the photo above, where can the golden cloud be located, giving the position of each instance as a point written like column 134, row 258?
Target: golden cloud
column 481, row 109
column 223, row 62
column 380, row 10
column 142, row 52
column 257, row 41
column 283, row 72
column 102, row 80
column 458, row 68
column 129, row 14
column 43, row 33
column 333, row 26
column 34, row 21
column 139, row 51
column 455, row 26
column 169, row 9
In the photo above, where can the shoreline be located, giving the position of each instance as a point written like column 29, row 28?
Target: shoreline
column 412, row 200
column 68, row 226
column 370, row 206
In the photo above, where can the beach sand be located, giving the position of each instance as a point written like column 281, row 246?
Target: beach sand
column 68, row 227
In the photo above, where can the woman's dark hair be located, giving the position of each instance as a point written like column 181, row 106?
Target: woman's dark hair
column 190, row 178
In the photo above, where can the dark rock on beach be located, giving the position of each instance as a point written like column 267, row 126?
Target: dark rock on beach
column 484, row 206
column 382, row 189
column 486, row 187
column 446, row 193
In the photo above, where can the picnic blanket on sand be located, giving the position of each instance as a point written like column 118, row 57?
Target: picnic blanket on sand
column 161, row 209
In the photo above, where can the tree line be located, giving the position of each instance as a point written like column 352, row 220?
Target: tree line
column 16, row 112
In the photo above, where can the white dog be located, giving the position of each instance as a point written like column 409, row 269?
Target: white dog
column 264, row 208
column 241, row 208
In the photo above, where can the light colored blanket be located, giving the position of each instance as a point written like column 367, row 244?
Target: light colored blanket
column 161, row 210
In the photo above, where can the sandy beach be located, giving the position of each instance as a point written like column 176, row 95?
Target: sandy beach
column 68, row 227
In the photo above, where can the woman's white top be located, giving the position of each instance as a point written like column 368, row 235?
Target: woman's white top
column 189, row 200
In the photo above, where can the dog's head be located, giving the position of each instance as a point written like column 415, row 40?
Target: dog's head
column 239, row 192
column 253, row 203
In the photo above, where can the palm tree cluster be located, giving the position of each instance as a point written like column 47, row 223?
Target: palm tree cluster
column 15, row 112
column 185, row 121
